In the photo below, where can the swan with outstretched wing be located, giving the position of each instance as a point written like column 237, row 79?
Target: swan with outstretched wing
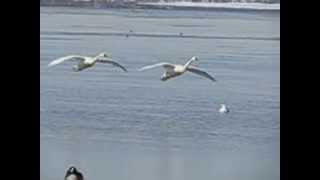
column 85, row 62
column 173, row 70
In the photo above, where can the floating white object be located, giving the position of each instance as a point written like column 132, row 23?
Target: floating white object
column 224, row 109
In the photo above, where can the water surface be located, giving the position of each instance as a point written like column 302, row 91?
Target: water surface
column 116, row 125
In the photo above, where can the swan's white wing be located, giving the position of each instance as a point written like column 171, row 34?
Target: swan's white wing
column 105, row 60
column 200, row 72
column 163, row 64
column 65, row 58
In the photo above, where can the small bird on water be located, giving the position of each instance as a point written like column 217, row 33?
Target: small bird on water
column 224, row 109
column 73, row 174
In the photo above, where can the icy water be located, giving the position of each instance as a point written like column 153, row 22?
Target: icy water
column 132, row 126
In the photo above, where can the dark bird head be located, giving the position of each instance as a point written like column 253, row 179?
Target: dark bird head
column 73, row 174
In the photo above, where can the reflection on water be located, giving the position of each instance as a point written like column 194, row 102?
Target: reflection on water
column 116, row 125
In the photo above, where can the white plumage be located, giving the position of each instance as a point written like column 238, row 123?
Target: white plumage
column 173, row 70
column 85, row 62
column 224, row 109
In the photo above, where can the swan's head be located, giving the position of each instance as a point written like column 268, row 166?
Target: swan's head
column 105, row 55
column 194, row 58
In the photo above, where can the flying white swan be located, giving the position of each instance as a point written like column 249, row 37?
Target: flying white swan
column 223, row 109
column 173, row 70
column 85, row 62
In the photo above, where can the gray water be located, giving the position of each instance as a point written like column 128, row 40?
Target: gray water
column 132, row 126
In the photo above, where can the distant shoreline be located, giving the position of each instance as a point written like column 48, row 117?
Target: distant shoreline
column 179, row 6
column 193, row 5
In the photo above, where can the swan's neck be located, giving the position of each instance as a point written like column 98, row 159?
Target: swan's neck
column 188, row 63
